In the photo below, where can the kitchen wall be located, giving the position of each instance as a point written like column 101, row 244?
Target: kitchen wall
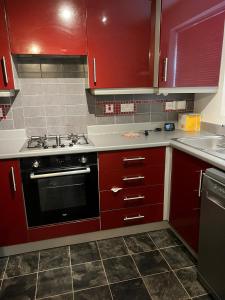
column 53, row 100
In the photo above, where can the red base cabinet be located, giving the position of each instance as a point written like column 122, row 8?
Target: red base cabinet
column 185, row 196
column 131, row 187
column 191, row 43
column 47, row 27
column 6, row 75
column 120, row 43
column 13, row 227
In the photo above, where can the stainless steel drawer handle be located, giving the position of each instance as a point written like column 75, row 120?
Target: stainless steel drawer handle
column 165, row 69
column 95, row 72
column 5, row 70
column 133, row 159
column 13, row 179
column 134, row 198
column 134, row 218
column 200, row 184
column 133, row 178
column 67, row 173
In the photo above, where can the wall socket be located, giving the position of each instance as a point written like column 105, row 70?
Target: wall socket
column 127, row 107
column 109, row 108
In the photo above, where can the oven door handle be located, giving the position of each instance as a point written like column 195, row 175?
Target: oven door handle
column 57, row 174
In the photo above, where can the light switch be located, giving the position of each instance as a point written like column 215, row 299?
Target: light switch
column 127, row 107
column 109, row 108
column 181, row 105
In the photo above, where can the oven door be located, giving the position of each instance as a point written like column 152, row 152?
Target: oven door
column 63, row 195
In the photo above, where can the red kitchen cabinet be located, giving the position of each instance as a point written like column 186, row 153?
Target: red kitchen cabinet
column 191, row 43
column 13, row 227
column 185, row 196
column 6, row 75
column 120, row 43
column 47, row 27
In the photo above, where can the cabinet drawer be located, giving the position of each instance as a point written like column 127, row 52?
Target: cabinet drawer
column 129, row 178
column 131, row 216
column 131, row 197
column 131, row 159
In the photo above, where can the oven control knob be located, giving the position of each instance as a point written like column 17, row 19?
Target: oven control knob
column 83, row 159
column 35, row 164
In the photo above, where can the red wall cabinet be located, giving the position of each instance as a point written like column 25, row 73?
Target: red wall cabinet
column 120, row 43
column 13, row 227
column 47, row 27
column 185, row 196
column 6, row 75
column 191, row 42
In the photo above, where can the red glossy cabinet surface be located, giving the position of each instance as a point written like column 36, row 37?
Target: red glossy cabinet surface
column 6, row 75
column 191, row 40
column 185, row 197
column 47, row 26
column 13, row 228
column 120, row 43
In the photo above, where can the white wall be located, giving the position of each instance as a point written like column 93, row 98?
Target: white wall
column 212, row 106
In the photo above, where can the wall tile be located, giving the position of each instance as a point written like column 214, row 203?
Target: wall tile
column 33, row 111
column 141, row 118
column 35, row 122
column 55, row 110
column 6, row 124
column 105, row 120
column 172, row 116
column 156, row 107
column 124, row 119
column 77, row 110
column 18, row 117
column 158, row 117
column 58, row 121
column 143, row 107
column 36, row 131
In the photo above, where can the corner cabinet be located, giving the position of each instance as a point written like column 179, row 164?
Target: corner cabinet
column 47, row 27
column 186, row 196
column 6, row 75
column 120, row 43
column 131, row 186
column 13, row 227
column 191, row 43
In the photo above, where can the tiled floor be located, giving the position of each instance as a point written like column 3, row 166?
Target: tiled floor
column 145, row 266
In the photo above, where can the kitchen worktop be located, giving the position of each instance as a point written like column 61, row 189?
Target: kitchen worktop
column 12, row 143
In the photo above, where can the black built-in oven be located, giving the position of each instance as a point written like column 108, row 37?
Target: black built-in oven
column 60, row 188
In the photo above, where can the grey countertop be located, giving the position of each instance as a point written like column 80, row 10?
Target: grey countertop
column 13, row 146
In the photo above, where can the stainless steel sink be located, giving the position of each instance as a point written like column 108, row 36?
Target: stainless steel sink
column 215, row 142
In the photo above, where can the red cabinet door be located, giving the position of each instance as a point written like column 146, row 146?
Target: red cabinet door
column 13, row 228
column 47, row 27
column 185, row 197
column 120, row 43
column 191, row 42
column 6, row 75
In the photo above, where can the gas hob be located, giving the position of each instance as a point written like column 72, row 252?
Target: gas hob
column 56, row 141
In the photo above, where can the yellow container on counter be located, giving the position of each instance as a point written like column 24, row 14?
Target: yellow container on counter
column 189, row 122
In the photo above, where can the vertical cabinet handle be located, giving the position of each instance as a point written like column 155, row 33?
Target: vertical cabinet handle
column 95, row 74
column 13, row 179
column 165, row 69
column 5, row 74
column 200, row 184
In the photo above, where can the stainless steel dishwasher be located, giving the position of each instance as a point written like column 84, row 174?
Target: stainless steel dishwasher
column 211, row 263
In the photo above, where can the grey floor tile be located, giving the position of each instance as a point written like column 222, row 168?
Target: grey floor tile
column 19, row 288
column 54, row 282
column 188, row 277
column 22, row 264
column 165, row 287
column 164, row 238
column 130, row 290
column 99, row 293
column 178, row 257
column 68, row 296
column 112, row 247
column 3, row 262
column 139, row 243
column 54, row 258
column 150, row 263
column 120, row 268
column 90, row 274
column 85, row 252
